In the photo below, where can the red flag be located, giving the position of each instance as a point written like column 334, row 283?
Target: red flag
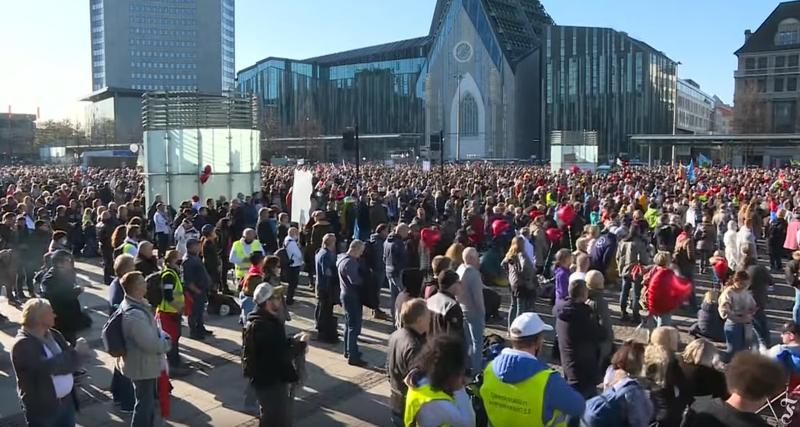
column 164, row 389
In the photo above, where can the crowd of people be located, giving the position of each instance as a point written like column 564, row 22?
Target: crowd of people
column 442, row 242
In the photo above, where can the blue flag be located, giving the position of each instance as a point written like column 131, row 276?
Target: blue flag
column 690, row 171
column 703, row 161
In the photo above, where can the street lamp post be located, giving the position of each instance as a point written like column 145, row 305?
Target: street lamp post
column 458, row 78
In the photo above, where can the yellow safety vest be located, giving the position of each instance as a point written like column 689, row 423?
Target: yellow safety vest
column 177, row 304
column 416, row 398
column 243, row 253
column 520, row 404
column 129, row 248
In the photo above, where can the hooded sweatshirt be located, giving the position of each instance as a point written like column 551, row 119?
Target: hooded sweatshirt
column 514, row 366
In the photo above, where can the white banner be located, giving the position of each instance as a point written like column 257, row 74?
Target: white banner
column 426, row 165
column 301, row 196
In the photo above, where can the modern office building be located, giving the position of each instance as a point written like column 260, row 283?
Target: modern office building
column 495, row 78
column 695, row 109
column 766, row 96
column 155, row 45
column 599, row 79
column 376, row 88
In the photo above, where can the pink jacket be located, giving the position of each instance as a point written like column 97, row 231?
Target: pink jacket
column 791, row 235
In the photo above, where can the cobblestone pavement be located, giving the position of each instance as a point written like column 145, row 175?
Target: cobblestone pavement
column 335, row 393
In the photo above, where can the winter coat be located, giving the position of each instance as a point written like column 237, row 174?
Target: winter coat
column 665, row 238
column 521, row 276
column 791, row 235
column 704, row 381
column 395, row 256
column 746, row 237
column 684, row 256
column 631, row 253
column 760, row 281
column 540, row 245
column 579, row 337
column 777, row 235
column 602, row 315
column 404, row 345
column 272, row 352
column 145, row 345
column 267, row 236
column 603, row 251
column 666, row 291
column 732, row 253
column 792, row 272
column 709, row 323
column 60, row 288
column 706, row 237
column 737, row 305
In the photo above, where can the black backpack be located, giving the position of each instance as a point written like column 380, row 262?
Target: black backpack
column 249, row 362
column 155, row 289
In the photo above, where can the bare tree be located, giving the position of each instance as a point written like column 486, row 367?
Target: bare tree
column 750, row 111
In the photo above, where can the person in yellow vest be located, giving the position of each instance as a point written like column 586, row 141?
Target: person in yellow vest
column 436, row 395
column 520, row 390
column 170, row 311
column 241, row 251
column 131, row 244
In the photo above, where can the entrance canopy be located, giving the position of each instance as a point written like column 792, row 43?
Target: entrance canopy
column 729, row 148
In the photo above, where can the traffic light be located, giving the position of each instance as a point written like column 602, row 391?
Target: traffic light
column 349, row 138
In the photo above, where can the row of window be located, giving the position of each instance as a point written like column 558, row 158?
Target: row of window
column 161, row 43
column 162, row 21
column 692, row 121
column 163, row 32
column 138, row 8
column 161, row 54
column 164, row 76
column 779, row 84
column 164, row 87
column 788, row 32
column 688, row 104
column 762, row 62
column 166, row 65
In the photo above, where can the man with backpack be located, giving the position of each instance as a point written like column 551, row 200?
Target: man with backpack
column 267, row 356
column 144, row 346
column 520, row 390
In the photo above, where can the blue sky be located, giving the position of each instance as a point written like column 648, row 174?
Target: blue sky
column 46, row 53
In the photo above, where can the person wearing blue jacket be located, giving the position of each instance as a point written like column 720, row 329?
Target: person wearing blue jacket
column 327, row 289
column 518, row 389
column 605, row 249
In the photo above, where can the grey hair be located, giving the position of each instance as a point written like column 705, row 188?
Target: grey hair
column 32, row 311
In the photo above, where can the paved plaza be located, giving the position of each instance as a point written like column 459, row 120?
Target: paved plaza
column 335, row 393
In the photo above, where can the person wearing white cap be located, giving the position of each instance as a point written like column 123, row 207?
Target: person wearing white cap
column 267, row 355
column 518, row 389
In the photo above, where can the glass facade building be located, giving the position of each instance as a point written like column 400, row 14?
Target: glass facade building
column 376, row 88
column 695, row 108
column 599, row 79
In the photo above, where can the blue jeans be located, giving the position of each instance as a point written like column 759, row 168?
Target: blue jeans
column 64, row 415
column 474, row 325
column 663, row 320
column 629, row 284
column 796, row 308
column 352, row 325
column 736, row 337
column 761, row 326
column 122, row 390
column 520, row 305
column 144, row 412
column 396, row 286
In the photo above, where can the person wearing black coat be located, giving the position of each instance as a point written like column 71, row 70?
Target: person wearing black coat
column 266, row 234
column 145, row 262
column 579, row 337
column 775, row 239
column 268, row 355
column 105, row 228
column 60, row 288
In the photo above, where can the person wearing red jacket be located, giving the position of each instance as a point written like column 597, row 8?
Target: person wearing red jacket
column 666, row 291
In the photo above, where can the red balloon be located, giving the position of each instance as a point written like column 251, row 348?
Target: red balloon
column 566, row 214
column 430, row 236
column 499, row 226
column 554, row 235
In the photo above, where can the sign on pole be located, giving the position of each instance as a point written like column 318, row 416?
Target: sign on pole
column 426, row 165
column 301, row 196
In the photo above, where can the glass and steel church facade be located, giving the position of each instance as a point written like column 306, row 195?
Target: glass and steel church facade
column 495, row 77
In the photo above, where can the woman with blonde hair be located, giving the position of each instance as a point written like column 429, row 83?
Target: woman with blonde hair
column 737, row 307
column 521, row 279
column 454, row 252
column 662, row 369
column 699, row 362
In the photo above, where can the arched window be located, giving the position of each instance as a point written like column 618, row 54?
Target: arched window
column 788, row 32
column 468, row 121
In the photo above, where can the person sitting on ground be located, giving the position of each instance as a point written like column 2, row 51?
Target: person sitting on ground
column 436, row 394
column 517, row 373
column 709, row 324
column 699, row 362
column 751, row 379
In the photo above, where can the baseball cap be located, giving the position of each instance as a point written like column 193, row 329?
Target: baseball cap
column 527, row 325
column 266, row 291
column 791, row 328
